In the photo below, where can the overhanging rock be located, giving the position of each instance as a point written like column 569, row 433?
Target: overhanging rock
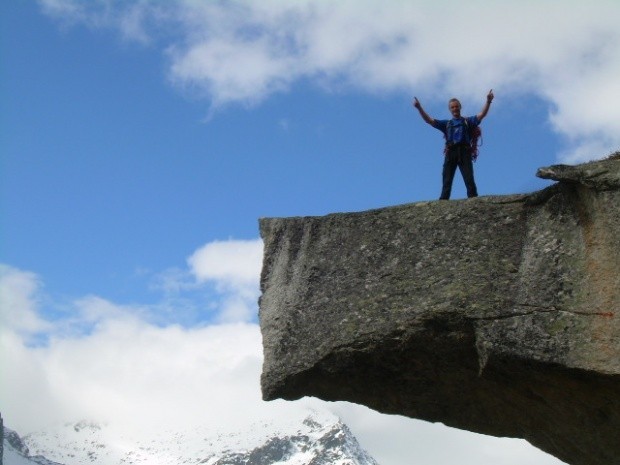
column 496, row 314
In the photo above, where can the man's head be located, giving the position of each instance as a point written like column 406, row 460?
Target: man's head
column 455, row 107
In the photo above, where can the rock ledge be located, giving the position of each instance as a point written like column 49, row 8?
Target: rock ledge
column 497, row 314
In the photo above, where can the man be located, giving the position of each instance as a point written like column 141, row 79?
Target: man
column 457, row 132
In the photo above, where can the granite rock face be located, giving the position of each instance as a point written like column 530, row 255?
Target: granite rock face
column 498, row 314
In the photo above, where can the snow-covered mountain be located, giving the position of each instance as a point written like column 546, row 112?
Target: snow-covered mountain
column 319, row 439
column 15, row 452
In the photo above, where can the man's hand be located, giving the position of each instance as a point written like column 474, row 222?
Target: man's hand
column 416, row 103
column 487, row 105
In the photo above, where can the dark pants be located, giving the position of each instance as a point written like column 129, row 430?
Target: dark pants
column 458, row 155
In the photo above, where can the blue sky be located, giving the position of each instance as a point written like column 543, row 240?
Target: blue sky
column 109, row 168
column 142, row 141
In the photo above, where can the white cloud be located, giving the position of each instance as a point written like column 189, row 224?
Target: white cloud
column 220, row 282
column 233, row 266
column 243, row 51
column 233, row 263
column 108, row 362
column 19, row 301
column 131, row 373
column 140, row 374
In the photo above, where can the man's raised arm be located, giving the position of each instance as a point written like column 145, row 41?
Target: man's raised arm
column 487, row 105
column 425, row 116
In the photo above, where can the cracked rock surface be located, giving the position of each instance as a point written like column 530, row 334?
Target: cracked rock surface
column 498, row 314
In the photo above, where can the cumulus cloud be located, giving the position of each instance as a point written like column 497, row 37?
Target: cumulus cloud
column 243, row 52
column 143, row 374
column 220, row 282
column 233, row 266
column 19, row 302
column 130, row 373
column 54, row 366
column 139, row 372
column 233, row 263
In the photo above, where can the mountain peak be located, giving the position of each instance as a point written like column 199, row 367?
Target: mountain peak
column 318, row 439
